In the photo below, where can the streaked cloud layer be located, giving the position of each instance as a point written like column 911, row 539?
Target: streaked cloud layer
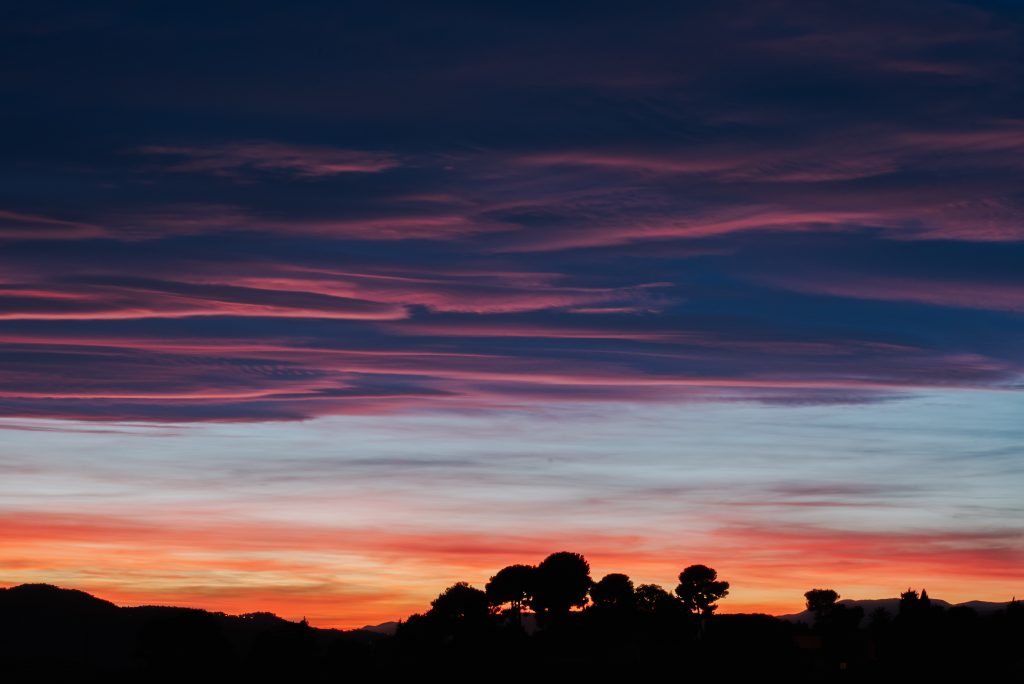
column 373, row 217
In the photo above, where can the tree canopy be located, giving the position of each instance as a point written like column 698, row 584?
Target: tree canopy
column 820, row 600
column 699, row 588
column 613, row 591
column 460, row 602
column 652, row 599
column 512, row 585
column 561, row 582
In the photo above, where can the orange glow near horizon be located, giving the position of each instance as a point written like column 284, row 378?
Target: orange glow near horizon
column 300, row 572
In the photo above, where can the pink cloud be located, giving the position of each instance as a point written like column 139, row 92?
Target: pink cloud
column 869, row 151
column 455, row 291
column 1008, row 296
column 700, row 225
column 133, row 299
column 156, row 379
column 280, row 291
column 728, row 163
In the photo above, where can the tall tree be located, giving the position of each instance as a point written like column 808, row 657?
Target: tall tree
column 821, row 601
column 909, row 602
column 561, row 582
column 460, row 603
column 651, row 599
column 512, row 585
column 614, row 591
column 699, row 588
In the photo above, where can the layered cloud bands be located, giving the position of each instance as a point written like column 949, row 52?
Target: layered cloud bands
column 643, row 221
column 185, row 334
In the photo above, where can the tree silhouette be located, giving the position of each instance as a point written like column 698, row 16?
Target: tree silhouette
column 699, row 588
column 614, row 591
column 460, row 603
column 652, row 598
column 908, row 601
column 511, row 585
column 821, row 602
column 561, row 582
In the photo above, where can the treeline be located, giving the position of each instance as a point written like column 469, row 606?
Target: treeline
column 551, row 621
column 562, row 582
column 556, row 617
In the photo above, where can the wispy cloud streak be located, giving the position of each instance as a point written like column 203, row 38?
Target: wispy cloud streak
column 239, row 158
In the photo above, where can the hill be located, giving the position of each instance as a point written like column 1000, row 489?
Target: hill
column 892, row 607
column 52, row 634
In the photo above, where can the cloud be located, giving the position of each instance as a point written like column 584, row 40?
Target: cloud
column 295, row 374
column 15, row 225
column 735, row 283
column 460, row 291
column 277, row 289
column 990, row 553
column 938, row 292
column 395, row 219
column 237, row 159
column 859, row 153
column 206, row 329
column 806, row 207
column 944, row 274
column 128, row 298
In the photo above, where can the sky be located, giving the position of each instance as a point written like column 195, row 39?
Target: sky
column 318, row 308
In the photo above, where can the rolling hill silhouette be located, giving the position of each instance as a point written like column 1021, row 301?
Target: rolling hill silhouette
column 50, row 634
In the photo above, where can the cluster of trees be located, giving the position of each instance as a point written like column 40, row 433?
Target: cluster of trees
column 562, row 582
column 831, row 615
column 555, row 615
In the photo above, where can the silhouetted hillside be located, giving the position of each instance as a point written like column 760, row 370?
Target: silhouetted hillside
column 53, row 634
column 48, row 634
column 892, row 606
column 388, row 628
column 44, row 599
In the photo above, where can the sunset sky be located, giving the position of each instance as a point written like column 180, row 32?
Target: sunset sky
column 317, row 308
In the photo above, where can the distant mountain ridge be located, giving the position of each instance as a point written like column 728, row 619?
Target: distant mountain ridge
column 389, row 627
column 892, row 606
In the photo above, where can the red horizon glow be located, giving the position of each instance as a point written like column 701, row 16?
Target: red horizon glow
column 286, row 569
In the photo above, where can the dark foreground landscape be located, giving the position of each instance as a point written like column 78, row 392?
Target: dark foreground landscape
column 544, row 622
